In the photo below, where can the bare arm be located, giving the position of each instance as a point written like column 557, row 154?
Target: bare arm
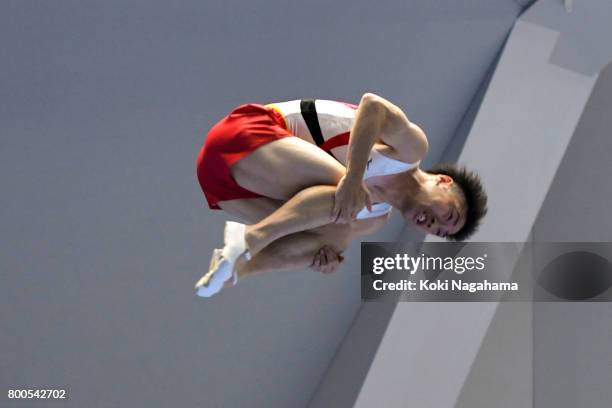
column 378, row 120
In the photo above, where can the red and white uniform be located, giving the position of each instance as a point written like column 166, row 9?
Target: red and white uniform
column 324, row 123
column 335, row 120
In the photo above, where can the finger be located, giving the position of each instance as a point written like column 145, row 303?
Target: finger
column 324, row 256
column 335, row 212
column 327, row 256
column 323, row 269
column 338, row 216
column 331, row 269
column 317, row 260
column 368, row 201
column 337, row 205
column 331, row 255
column 354, row 212
column 332, row 260
column 315, row 265
column 348, row 215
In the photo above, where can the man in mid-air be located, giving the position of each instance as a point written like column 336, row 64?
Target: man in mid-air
column 307, row 176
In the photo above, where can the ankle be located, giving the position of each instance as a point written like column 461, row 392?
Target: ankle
column 252, row 237
column 242, row 268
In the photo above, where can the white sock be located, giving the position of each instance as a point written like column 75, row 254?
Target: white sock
column 235, row 242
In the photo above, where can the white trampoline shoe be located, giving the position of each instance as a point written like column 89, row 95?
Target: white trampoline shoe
column 219, row 271
column 221, row 267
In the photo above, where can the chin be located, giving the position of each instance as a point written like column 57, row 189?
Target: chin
column 413, row 224
column 408, row 218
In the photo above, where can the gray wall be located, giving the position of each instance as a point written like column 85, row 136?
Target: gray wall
column 573, row 341
column 103, row 227
column 517, row 142
column 349, row 367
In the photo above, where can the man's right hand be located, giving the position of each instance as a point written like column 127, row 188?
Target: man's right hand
column 350, row 198
column 326, row 260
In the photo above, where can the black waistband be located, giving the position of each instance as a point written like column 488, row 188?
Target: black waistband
column 309, row 113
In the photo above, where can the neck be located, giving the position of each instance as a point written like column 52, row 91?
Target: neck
column 399, row 190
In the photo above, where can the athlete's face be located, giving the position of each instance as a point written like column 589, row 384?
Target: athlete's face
column 440, row 210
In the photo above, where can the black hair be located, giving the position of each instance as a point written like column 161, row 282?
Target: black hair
column 473, row 192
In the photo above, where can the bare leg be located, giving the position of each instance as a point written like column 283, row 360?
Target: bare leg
column 282, row 168
column 250, row 210
column 298, row 250
column 279, row 170
column 294, row 251
column 308, row 209
column 302, row 225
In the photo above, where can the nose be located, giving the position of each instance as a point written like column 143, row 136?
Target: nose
column 433, row 226
column 431, row 223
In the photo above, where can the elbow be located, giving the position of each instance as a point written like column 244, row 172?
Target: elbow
column 372, row 103
column 419, row 143
column 424, row 150
column 424, row 147
column 369, row 98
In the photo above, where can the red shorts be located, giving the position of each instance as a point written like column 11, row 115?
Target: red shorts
column 238, row 134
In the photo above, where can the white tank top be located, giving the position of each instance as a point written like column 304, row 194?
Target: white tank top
column 381, row 165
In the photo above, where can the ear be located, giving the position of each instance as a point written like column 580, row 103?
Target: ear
column 444, row 179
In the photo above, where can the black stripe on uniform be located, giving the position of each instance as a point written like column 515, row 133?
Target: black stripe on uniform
column 309, row 113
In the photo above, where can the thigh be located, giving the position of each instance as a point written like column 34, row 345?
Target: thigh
column 250, row 210
column 281, row 168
